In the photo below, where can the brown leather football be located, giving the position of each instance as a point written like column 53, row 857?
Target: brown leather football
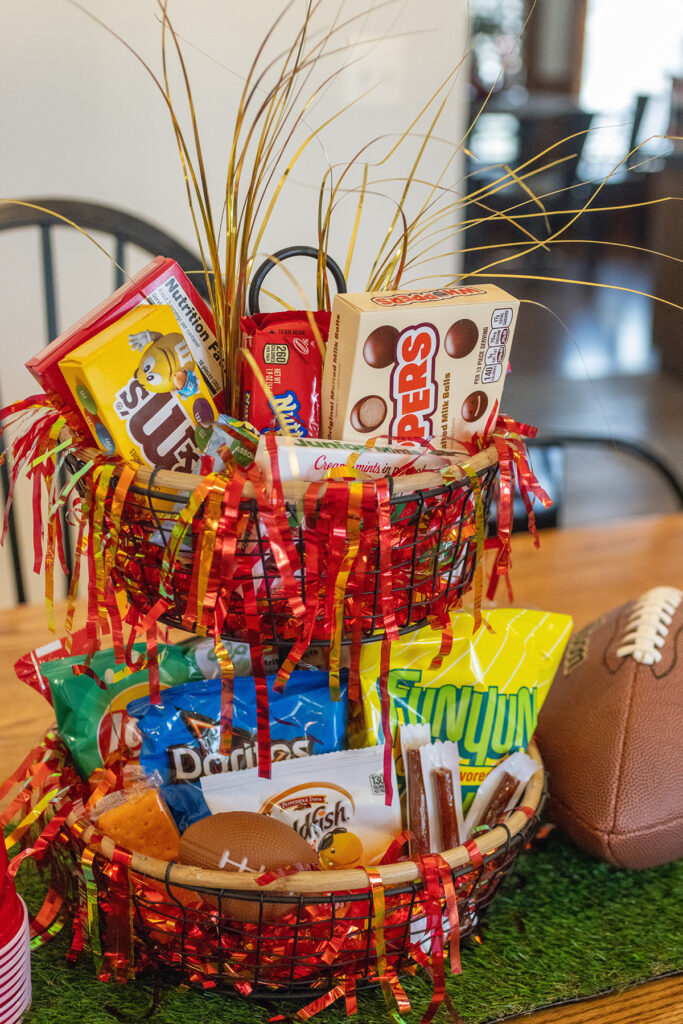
column 610, row 733
column 245, row 841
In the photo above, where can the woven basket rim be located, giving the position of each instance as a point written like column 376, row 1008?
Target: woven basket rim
column 317, row 883
column 293, row 490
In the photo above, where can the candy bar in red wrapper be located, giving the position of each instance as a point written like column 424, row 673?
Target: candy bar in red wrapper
column 287, row 353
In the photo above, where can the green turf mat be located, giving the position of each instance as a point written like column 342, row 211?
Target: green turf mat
column 562, row 925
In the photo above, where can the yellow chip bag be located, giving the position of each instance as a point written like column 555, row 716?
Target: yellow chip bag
column 485, row 695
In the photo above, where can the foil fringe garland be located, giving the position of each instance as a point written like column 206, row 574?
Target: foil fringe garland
column 129, row 922
column 217, row 566
column 344, row 523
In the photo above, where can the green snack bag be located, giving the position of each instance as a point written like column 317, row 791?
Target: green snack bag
column 93, row 722
column 202, row 660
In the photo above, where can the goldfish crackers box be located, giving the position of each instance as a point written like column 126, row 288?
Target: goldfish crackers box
column 139, row 390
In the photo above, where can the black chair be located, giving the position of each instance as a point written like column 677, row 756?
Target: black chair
column 126, row 230
column 558, row 187
column 552, row 457
column 623, row 188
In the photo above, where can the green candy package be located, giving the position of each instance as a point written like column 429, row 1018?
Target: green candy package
column 202, row 660
column 94, row 722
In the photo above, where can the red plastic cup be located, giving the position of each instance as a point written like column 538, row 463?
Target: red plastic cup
column 11, row 907
column 14, row 991
column 15, row 971
column 13, row 1013
column 11, row 913
column 20, row 923
column 13, row 960
column 17, row 1002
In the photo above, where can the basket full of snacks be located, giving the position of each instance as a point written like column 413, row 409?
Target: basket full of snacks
column 286, row 932
column 286, row 803
column 336, row 868
column 323, row 785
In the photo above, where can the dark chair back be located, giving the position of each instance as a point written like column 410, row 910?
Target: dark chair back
column 567, row 133
column 125, row 230
column 630, row 476
column 638, row 115
column 558, row 187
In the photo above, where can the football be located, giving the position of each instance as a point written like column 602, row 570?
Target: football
column 610, row 733
column 245, row 841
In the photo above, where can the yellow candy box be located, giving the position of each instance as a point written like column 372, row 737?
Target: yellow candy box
column 485, row 695
column 140, row 391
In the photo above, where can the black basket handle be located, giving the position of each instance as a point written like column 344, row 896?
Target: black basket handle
column 279, row 257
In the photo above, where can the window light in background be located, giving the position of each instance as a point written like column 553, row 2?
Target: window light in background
column 626, row 56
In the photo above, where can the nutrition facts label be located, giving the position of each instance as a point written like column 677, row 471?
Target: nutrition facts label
column 197, row 333
column 501, row 317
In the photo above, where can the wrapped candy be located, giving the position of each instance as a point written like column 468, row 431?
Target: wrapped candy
column 433, row 797
column 285, row 354
column 500, row 791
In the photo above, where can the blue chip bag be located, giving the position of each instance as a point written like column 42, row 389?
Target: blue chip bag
column 181, row 736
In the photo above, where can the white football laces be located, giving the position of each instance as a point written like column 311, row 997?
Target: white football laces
column 648, row 626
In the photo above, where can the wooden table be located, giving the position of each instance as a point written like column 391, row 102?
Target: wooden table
column 583, row 572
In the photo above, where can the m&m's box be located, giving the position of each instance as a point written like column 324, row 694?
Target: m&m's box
column 140, row 391
column 161, row 283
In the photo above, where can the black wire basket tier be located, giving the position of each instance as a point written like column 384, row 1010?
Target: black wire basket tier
column 420, row 558
column 298, row 935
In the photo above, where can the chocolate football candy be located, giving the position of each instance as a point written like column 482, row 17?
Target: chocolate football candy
column 461, row 338
column 368, row 414
column 379, row 349
column 610, row 733
column 245, row 841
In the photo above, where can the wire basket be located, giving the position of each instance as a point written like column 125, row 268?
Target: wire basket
column 433, row 549
column 296, row 936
